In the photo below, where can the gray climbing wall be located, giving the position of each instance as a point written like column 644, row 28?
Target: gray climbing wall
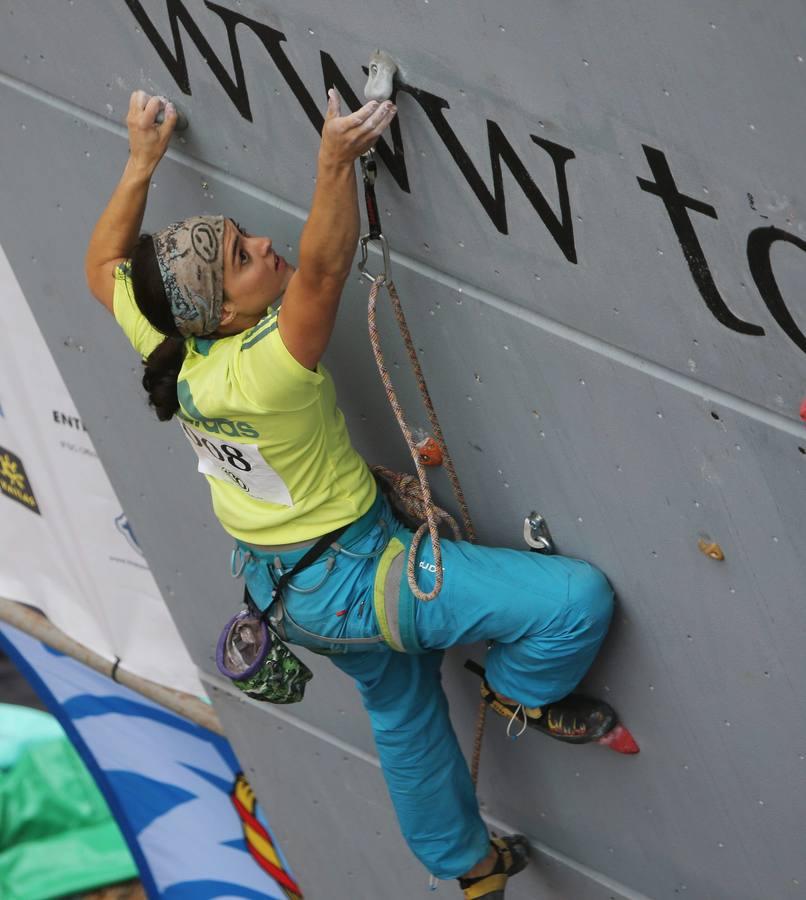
column 599, row 220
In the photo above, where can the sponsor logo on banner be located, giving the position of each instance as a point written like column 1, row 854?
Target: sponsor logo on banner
column 72, row 421
column 61, row 418
column 259, row 840
column 124, row 527
column 125, row 530
column 77, row 448
column 14, row 481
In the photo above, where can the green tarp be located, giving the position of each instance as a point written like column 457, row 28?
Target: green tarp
column 57, row 835
column 20, row 727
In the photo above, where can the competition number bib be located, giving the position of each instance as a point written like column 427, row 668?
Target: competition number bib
column 238, row 464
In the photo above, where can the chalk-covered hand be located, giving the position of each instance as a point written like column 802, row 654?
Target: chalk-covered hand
column 345, row 138
column 148, row 140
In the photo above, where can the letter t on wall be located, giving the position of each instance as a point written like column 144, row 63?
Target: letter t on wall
column 677, row 206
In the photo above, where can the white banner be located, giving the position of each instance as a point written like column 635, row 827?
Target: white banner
column 67, row 547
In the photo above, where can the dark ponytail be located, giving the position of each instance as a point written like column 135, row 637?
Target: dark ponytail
column 163, row 364
column 161, row 375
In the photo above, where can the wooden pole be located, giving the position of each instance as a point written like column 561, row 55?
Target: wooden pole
column 33, row 623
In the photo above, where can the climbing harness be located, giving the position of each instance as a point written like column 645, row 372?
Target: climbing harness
column 282, row 581
column 396, row 620
column 255, row 659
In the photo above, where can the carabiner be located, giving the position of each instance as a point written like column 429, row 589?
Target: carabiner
column 238, row 561
column 537, row 535
column 385, row 275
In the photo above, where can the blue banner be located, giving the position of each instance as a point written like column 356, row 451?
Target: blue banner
column 192, row 823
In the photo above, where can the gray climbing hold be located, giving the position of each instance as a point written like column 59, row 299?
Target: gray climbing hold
column 181, row 118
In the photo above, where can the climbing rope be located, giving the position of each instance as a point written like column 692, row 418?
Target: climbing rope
column 481, row 721
column 409, row 495
column 415, row 498
column 430, row 524
column 415, row 494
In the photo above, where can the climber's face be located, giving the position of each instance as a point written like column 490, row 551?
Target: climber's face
column 254, row 276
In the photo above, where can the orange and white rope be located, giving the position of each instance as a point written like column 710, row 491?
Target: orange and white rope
column 417, row 498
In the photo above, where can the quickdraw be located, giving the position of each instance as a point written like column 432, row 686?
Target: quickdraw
column 369, row 171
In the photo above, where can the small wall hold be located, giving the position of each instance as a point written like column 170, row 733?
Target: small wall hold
column 711, row 549
column 181, row 118
column 428, row 451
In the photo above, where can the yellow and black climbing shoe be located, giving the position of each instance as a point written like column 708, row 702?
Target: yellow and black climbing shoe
column 513, row 856
column 575, row 719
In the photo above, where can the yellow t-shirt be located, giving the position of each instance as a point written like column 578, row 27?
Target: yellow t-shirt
column 267, row 432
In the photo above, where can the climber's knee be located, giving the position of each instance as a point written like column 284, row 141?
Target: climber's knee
column 590, row 591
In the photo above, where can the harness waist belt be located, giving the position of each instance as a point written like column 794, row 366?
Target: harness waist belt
column 354, row 532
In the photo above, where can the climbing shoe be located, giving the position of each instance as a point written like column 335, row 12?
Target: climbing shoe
column 575, row 719
column 513, row 856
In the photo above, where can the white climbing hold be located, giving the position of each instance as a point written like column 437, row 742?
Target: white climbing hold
column 380, row 81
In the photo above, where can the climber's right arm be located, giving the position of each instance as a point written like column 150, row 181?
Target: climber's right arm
column 118, row 227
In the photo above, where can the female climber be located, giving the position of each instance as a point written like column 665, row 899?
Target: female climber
column 243, row 377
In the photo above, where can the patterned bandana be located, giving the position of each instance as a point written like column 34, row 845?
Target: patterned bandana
column 191, row 260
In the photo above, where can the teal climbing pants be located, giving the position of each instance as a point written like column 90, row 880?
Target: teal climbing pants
column 546, row 617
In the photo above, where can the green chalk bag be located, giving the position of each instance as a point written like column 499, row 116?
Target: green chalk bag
column 258, row 662
column 253, row 657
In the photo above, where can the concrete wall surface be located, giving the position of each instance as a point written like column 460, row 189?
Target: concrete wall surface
column 597, row 214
